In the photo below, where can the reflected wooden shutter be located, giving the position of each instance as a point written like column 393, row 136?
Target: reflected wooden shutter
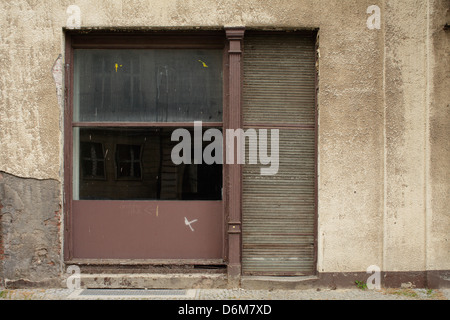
column 278, row 211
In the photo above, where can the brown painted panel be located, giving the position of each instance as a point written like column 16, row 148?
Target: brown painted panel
column 147, row 229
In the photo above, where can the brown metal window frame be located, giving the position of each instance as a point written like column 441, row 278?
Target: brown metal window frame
column 136, row 40
column 231, row 41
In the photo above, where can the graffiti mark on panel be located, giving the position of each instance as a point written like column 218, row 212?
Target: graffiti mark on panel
column 188, row 223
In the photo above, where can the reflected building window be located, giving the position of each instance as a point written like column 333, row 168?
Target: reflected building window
column 128, row 161
column 92, row 161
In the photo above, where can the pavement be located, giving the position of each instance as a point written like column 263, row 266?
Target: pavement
column 226, row 294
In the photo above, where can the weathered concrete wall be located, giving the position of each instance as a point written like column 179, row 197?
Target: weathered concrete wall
column 30, row 226
column 30, row 41
column 350, row 139
column 383, row 112
column 405, row 135
column 438, row 192
column 416, row 223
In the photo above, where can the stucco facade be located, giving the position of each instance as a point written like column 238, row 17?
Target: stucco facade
column 383, row 125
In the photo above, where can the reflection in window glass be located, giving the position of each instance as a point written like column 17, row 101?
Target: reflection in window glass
column 92, row 160
column 128, row 161
column 137, row 165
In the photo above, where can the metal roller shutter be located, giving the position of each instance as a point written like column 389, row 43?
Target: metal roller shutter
column 278, row 218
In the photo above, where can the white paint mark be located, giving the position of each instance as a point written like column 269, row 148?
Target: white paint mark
column 74, row 19
column 188, row 223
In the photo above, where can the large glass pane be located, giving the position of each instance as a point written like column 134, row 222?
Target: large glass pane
column 136, row 164
column 154, row 85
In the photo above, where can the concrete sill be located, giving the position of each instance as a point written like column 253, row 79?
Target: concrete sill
column 282, row 283
column 153, row 281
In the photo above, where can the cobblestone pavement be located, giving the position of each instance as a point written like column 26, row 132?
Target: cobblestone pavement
column 241, row 294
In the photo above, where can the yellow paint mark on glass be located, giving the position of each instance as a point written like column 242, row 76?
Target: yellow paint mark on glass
column 204, row 64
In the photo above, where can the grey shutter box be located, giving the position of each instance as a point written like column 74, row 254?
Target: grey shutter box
column 278, row 211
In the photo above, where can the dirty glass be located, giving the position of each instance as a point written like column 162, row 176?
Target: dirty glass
column 150, row 85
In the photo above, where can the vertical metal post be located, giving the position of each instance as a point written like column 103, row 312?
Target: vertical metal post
column 235, row 37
